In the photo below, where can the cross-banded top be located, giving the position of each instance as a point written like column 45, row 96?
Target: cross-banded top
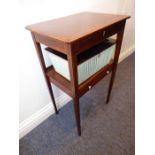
column 73, row 27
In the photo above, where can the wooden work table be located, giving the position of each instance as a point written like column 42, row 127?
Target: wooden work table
column 71, row 36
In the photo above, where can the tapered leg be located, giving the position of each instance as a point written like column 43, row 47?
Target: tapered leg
column 77, row 114
column 72, row 59
column 51, row 94
column 110, row 85
column 116, row 57
column 42, row 63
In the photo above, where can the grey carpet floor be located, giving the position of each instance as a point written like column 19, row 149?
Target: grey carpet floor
column 106, row 129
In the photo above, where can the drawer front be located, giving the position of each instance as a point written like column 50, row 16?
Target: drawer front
column 95, row 38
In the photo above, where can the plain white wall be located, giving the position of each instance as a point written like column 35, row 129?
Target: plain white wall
column 128, row 7
column 33, row 91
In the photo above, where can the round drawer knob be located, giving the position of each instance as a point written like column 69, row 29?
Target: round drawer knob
column 108, row 72
column 89, row 87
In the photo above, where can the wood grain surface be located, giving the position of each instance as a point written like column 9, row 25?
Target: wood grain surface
column 73, row 27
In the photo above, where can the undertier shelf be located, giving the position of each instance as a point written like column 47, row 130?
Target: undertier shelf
column 66, row 86
column 62, row 79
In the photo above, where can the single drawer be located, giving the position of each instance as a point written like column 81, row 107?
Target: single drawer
column 95, row 38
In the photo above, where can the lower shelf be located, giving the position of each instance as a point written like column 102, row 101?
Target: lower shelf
column 59, row 80
column 66, row 86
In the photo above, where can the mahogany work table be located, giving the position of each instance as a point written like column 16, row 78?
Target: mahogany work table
column 72, row 35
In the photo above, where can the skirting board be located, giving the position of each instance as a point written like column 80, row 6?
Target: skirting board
column 33, row 121
column 126, row 53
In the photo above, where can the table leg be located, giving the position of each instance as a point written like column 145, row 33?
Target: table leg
column 77, row 114
column 43, row 66
column 116, row 57
column 72, row 59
